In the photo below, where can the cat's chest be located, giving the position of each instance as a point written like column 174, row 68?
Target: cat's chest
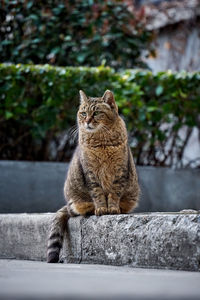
column 105, row 157
column 105, row 163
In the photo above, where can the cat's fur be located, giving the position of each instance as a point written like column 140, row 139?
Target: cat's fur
column 102, row 178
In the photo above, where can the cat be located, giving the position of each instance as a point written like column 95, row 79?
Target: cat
column 102, row 177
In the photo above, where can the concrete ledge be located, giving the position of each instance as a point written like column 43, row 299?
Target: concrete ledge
column 156, row 240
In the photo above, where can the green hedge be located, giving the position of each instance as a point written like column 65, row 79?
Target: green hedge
column 39, row 102
column 73, row 32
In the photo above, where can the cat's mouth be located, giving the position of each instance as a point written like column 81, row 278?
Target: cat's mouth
column 90, row 128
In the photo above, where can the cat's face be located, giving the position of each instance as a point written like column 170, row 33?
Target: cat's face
column 97, row 113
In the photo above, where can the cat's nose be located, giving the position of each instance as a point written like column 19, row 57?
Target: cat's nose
column 88, row 120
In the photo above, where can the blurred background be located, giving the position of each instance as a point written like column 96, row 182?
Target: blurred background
column 120, row 45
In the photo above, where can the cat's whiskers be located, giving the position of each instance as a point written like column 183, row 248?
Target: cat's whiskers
column 73, row 132
column 71, row 129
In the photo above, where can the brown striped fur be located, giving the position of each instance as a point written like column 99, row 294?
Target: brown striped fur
column 102, row 178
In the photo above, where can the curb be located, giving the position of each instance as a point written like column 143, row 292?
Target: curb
column 154, row 240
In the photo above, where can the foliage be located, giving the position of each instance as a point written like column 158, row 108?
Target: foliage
column 70, row 33
column 161, row 111
column 38, row 102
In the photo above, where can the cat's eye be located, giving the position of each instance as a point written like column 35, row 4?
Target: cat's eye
column 96, row 113
column 83, row 114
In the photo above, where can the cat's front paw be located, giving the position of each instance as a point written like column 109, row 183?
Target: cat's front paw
column 101, row 211
column 114, row 210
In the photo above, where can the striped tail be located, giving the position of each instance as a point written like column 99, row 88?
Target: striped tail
column 57, row 230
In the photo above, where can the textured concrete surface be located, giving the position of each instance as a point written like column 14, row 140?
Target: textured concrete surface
column 156, row 240
column 20, row 280
column 38, row 187
column 24, row 236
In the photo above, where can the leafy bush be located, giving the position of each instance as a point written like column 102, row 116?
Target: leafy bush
column 37, row 103
column 161, row 111
column 72, row 32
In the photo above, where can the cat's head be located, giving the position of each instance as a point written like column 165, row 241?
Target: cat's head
column 96, row 114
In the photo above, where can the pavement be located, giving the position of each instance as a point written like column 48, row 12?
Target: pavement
column 20, row 279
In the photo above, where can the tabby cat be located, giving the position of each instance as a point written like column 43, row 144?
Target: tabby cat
column 102, row 178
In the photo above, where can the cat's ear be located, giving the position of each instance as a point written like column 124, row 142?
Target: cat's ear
column 83, row 97
column 108, row 97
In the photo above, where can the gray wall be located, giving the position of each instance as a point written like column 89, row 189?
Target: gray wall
column 177, row 48
column 31, row 186
column 38, row 187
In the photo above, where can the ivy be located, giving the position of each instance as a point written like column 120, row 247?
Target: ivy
column 70, row 33
column 37, row 103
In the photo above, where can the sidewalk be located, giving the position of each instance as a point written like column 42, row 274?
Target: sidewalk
column 20, row 280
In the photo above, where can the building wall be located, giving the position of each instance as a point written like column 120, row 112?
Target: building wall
column 177, row 48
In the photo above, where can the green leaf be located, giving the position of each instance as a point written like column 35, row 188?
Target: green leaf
column 81, row 57
column 126, row 111
column 55, row 50
column 29, row 4
column 8, row 115
column 152, row 108
column 159, row 90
